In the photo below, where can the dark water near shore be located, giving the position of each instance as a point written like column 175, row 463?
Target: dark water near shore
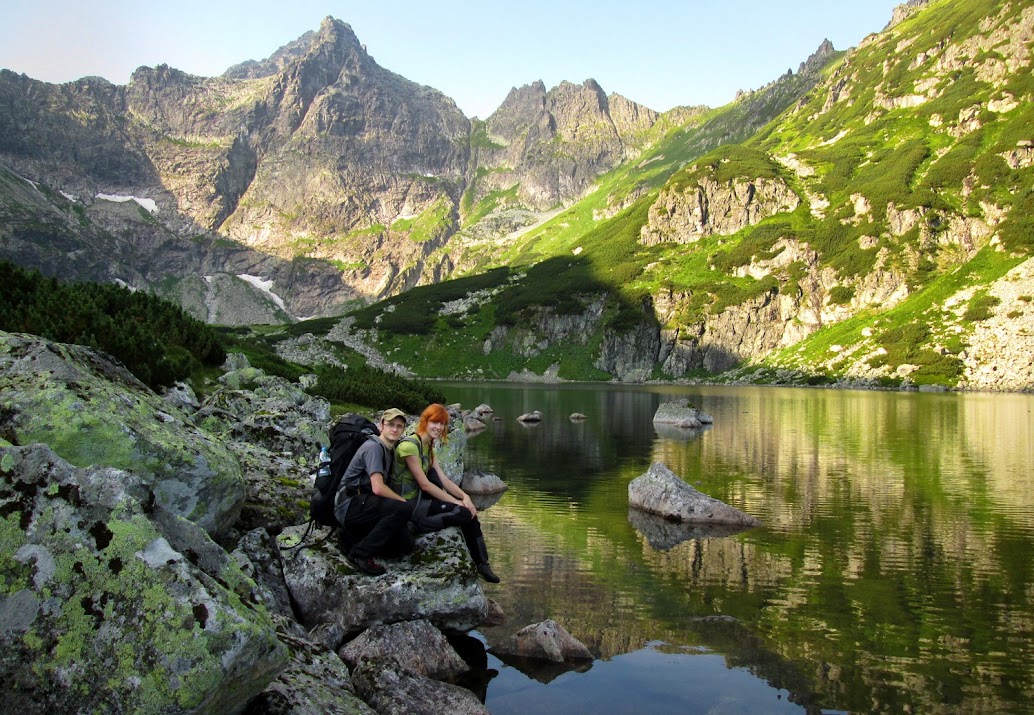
column 894, row 571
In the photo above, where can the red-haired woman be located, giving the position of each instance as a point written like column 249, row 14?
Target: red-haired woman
column 439, row 502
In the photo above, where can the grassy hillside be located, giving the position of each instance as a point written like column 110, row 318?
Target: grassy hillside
column 905, row 177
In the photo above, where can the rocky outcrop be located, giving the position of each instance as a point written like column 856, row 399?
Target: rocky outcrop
column 660, row 491
column 479, row 482
column 63, row 395
column 437, row 583
column 708, row 207
column 111, row 603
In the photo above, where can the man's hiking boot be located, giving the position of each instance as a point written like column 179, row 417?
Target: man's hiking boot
column 486, row 572
column 366, row 565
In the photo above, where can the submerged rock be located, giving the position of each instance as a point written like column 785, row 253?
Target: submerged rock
column 660, row 491
column 478, row 482
column 664, row 534
column 680, row 414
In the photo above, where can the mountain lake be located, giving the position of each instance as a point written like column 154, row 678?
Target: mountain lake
column 893, row 571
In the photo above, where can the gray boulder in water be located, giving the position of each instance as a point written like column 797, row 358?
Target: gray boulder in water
column 547, row 640
column 660, row 491
column 680, row 414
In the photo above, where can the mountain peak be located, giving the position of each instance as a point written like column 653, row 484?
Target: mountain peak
column 818, row 58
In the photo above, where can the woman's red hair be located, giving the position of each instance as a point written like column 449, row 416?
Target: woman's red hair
column 433, row 413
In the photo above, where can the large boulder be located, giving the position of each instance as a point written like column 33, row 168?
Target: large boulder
column 92, row 411
column 450, row 454
column 660, row 491
column 681, row 414
column 392, row 690
column 417, row 646
column 110, row 603
column 436, row 582
column 315, row 682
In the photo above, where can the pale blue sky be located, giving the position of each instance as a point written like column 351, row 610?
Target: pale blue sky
column 661, row 53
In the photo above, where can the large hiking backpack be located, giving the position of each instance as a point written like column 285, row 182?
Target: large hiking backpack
column 347, row 434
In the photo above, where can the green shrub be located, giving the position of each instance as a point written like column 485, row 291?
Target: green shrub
column 366, row 385
column 980, row 307
column 841, row 295
column 156, row 340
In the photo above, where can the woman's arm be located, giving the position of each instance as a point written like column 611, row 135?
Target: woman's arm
column 425, row 484
column 453, row 488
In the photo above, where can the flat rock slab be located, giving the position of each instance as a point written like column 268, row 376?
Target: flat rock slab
column 436, row 582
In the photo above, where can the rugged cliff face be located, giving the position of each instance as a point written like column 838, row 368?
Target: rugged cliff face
column 316, row 154
column 552, row 145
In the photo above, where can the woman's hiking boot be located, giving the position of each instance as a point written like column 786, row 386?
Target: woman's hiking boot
column 486, row 572
column 480, row 554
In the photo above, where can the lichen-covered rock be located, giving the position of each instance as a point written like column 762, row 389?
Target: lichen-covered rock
column 110, row 603
column 391, row 690
column 266, row 410
column 547, row 640
column 436, row 582
column 315, row 682
column 278, row 487
column 450, row 454
column 92, row 411
column 259, row 558
column 660, row 491
column 680, row 414
column 478, row 482
column 417, row 646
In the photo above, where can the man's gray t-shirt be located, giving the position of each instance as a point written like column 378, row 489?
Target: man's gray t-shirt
column 369, row 458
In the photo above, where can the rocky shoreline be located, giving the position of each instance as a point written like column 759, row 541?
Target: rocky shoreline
column 165, row 581
column 156, row 558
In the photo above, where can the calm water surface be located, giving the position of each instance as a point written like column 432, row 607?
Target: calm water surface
column 894, row 571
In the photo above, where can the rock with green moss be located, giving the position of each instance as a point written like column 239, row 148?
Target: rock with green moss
column 436, row 582
column 315, row 682
column 92, row 411
column 110, row 603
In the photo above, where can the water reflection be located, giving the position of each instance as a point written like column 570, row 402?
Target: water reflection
column 893, row 570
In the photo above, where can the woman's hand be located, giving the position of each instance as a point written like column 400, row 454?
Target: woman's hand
column 469, row 505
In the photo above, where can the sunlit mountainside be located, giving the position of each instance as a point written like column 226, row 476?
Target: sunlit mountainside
column 862, row 220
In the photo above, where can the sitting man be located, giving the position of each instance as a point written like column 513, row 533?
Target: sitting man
column 374, row 518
